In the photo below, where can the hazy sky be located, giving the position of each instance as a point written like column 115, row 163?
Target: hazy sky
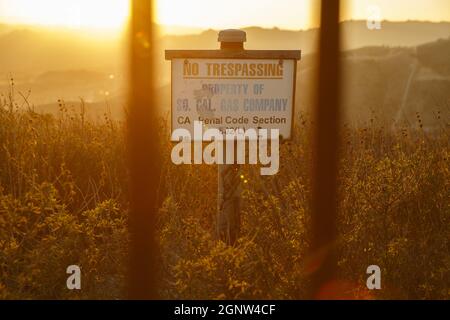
column 289, row 14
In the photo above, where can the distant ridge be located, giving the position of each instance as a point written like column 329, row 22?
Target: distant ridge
column 38, row 50
column 60, row 64
column 355, row 35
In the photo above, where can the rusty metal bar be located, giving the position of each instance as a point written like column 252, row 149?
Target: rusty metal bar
column 143, row 147
column 325, row 153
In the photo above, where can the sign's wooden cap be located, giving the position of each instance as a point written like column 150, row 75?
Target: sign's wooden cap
column 232, row 35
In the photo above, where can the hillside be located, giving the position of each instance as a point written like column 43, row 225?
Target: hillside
column 378, row 67
column 51, row 50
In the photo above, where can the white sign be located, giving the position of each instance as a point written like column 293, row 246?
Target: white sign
column 233, row 94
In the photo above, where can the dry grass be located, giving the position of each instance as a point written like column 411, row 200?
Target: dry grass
column 63, row 200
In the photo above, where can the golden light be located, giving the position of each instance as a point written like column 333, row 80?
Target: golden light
column 287, row 14
column 92, row 14
column 206, row 14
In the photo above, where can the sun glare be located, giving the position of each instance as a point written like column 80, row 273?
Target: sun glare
column 206, row 14
column 93, row 14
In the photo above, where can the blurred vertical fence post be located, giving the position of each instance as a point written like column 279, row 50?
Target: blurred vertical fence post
column 143, row 148
column 325, row 154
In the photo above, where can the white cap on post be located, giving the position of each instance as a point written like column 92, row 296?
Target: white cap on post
column 232, row 39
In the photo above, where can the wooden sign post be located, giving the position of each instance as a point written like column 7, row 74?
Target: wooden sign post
column 229, row 89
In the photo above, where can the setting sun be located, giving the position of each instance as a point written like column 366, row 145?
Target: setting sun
column 206, row 14
column 98, row 14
